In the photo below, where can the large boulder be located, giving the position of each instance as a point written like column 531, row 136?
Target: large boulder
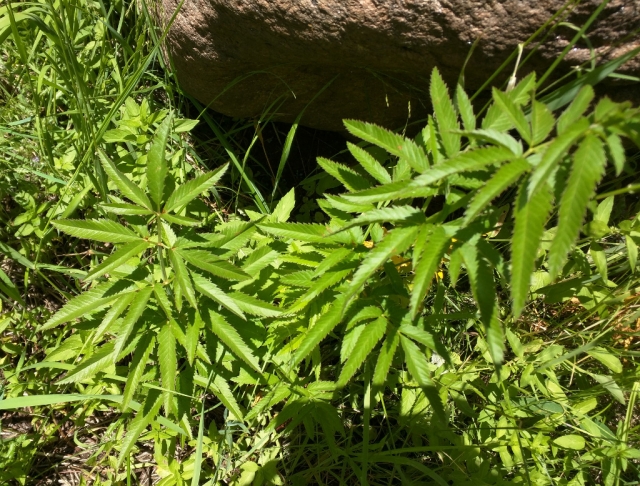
column 372, row 57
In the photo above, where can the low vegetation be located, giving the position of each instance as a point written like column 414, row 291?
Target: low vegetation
column 458, row 307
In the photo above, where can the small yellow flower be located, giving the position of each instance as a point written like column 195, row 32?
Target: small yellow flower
column 368, row 244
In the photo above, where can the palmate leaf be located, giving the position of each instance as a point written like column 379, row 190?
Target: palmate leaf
column 514, row 113
column 157, row 163
column 576, row 109
column 503, row 178
column 309, row 233
column 208, row 288
column 393, row 143
column 144, row 417
column 137, row 307
column 253, row 306
column 347, row 176
column 531, row 216
column 118, row 258
column 587, row 169
column 385, row 358
column 97, row 362
column 417, row 365
column 221, row 389
column 542, row 122
column 369, row 163
column 433, row 250
column 370, row 336
column 184, row 286
column 126, row 209
column 497, row 138
column 192, row 189
column 467, row 161
column 465, row 109
column 323, row 326
column 342, row 204
column 555, row 152
column 167, row 360
column 445, row 114
column 231, row 339
column 403, row 189
column 181, row 220
column 138, row 364
column 208, row 262
column 327, row 280
column 117, row 308
column 353, row 329
column 395, row 242
column 393, row 214
column 484, row 292
column 100, row 230
column 87, row 303
column 127, row 188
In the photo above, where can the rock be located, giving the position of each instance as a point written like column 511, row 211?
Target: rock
column 369, row 59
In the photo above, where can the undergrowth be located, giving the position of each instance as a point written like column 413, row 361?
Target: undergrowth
column 460, row 307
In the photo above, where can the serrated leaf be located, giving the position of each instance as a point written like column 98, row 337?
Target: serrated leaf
column 531, row 216
column 395, row 242
column 181, row 220
column 138, row 365
column 127, row 188
column 587, row 170
column 555, row 152
column 192, row 335
column 576, row 109
column 230, row 337
column 86, row 303
column 100, row 230
column 393, row 143
column 167, row 360
column 497, row 138
column 403, row 189
column 465, row 109
column 215, row 293
column 342, row 204
column 253, row 306
column 419, row 335
column 118, row 258
column 503, row 178
column 309, row 233
column 369, row 163
column 467, row 161
column 282, row 211
column 192, row 189
column 417, row 365
column 514, row 113
column 484, row 292
column 385, row 359
column 118, row 307
column 616, row 152
column 208, row 262
column 371, row 334
column 323, row 326
column 393, row 214
column 125, row 209
column 97, row 362
column 445, row 114
column 542, row 122
column 348, row 177
column 144, row 417
column 182, row 279
column 156, row 161
column 137, row 307
column 221, row 389
column 433, row 250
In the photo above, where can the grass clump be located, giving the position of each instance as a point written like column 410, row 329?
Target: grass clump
column 463, row 309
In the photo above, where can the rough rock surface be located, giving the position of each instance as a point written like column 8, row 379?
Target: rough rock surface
column 240, row 56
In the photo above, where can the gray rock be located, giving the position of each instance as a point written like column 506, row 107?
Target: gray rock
column 372, row 57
